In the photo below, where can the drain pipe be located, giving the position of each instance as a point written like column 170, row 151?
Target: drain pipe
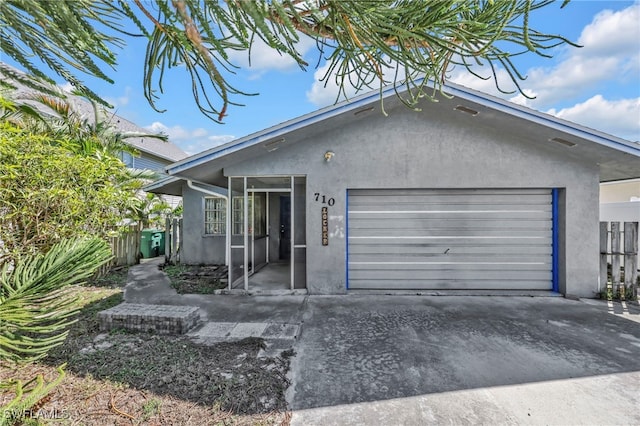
column 227, row 241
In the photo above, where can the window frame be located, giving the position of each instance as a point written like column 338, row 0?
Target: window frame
column 237, row 215
column 214, row 219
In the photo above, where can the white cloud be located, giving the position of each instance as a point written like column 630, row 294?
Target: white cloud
column 613, row 33
column 621, row 117
column 199, row 132
column 610, row 53
column 191, row 141
column 67, row 87
column 122, row 100
column 265, row 58
column 487, row 84
column 325, row 92
column 610, row 57
column 220, row 139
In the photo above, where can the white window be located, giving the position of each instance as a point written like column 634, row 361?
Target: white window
column 214, row 216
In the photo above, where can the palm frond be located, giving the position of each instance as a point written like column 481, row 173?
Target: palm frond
column 367, row 40
column 37, row 302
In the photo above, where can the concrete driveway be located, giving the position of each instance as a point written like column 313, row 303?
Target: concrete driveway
column 464, row 360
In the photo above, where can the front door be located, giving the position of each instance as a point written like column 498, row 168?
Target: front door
column 285, row 227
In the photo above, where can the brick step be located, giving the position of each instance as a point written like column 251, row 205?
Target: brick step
column 161, row 319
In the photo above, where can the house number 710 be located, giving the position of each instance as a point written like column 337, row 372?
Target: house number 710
column 323, row 199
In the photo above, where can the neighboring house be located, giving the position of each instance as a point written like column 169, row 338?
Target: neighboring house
column 471, row 194
column 620, row 201
column 153, row 154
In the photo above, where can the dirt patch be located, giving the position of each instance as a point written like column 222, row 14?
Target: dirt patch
column 228, row 374
column 197, row 279
column 139, row 378
column 84, row 400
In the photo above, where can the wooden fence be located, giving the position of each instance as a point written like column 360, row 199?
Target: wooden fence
column 614, row 244
column 126, row 248
column 172, row 240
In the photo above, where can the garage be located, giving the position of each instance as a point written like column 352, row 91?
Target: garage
column 471, row 194
column 451, row 239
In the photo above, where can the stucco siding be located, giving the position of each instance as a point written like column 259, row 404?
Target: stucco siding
column 198, row 248
column 413, row 150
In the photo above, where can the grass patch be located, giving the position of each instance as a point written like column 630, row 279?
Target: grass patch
column 612, row 293
column 115, row 278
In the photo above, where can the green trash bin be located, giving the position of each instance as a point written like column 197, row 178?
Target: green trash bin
column 152, row 243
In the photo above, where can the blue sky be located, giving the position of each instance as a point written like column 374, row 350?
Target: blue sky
column 597, row 86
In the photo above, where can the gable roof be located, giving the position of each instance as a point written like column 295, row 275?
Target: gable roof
column 147, row 144
column 617, row 157
column 150, row 145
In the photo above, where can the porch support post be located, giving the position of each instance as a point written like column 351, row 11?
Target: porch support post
column 246, row 235
column 293, row 233
column 228, row 234
column 268, row 195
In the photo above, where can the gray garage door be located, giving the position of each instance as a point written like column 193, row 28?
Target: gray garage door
column 450, row 239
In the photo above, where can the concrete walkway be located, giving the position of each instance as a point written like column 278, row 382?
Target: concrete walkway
column 276, row 319
column 435, row 360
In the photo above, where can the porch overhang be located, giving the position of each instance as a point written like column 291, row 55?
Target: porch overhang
column 170, row 186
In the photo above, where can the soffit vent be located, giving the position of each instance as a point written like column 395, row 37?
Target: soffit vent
column 273, row 145
column 363, row 110
column 563, row 142
column 466, row 110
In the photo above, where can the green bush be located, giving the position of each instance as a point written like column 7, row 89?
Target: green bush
column 50, row 191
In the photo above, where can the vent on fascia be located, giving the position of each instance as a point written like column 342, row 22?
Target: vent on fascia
column 466, row 110
column 273, row 145
column 563, row 142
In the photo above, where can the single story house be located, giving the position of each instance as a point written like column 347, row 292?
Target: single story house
column 469, row 194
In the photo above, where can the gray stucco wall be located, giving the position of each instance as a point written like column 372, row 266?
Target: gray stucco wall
column 198, row 248
column 435, row 150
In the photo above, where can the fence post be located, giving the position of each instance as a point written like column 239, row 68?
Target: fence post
column 604, row 234
column 131, row 246
column 180, row 236
column 167, row 240
column 174, row 241
column 631, row 257
column 615, row 259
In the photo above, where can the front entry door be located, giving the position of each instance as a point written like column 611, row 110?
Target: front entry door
column 285, row 227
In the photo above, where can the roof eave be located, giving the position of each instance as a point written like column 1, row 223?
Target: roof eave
column 452, row 89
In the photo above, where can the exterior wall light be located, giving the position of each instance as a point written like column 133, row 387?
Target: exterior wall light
column 328, row 156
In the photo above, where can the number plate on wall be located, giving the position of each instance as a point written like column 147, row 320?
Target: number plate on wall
column 325, row 226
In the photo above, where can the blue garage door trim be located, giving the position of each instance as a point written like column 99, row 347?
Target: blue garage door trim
column 346, row 239
column 556, row 232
